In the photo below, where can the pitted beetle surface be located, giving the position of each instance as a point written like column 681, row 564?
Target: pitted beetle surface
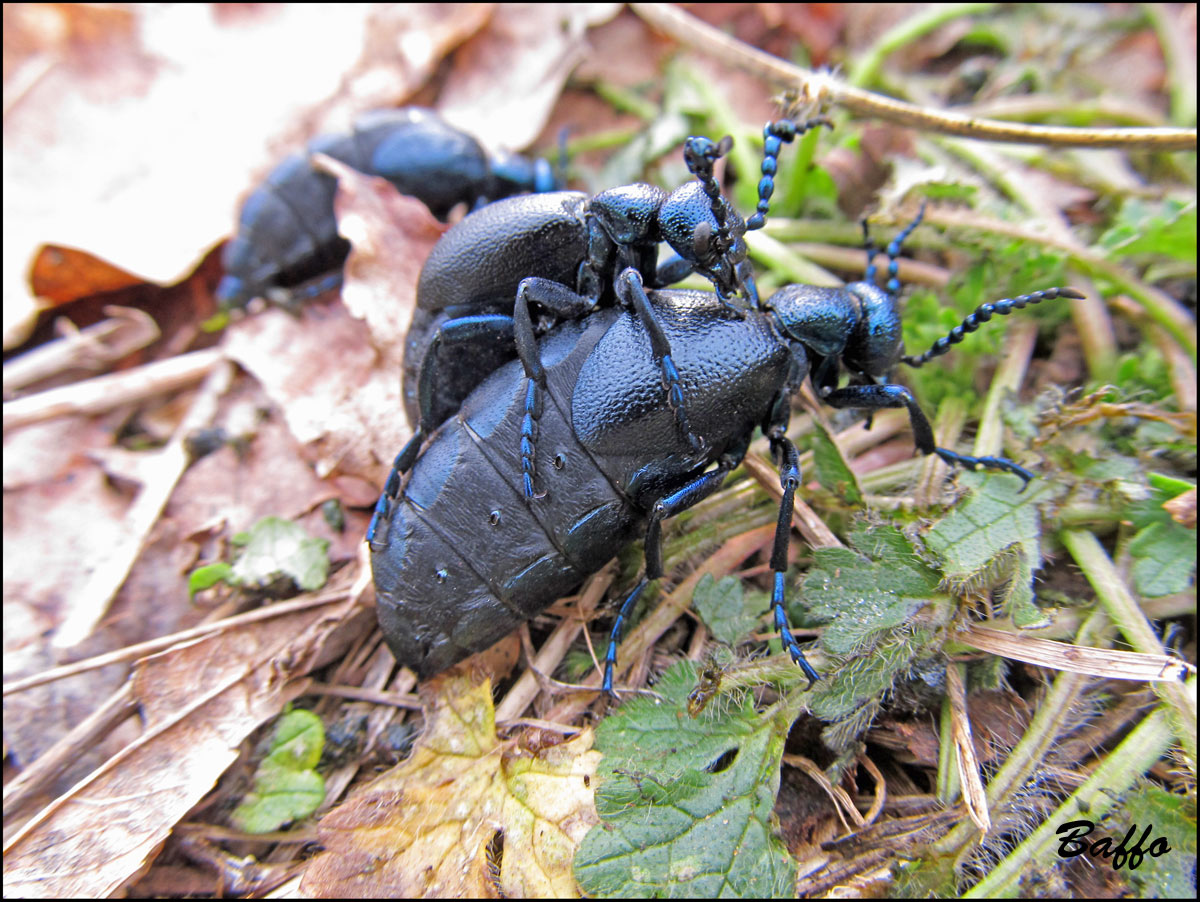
column 631, row 466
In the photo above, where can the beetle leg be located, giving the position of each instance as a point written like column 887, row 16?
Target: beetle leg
column 632, row 292
column 878, row 397
column 788, row 459
column 673, row 269
column 688, row 496
column 377, row 531
column 565, row 304
column 461, row 331
column 455, row 333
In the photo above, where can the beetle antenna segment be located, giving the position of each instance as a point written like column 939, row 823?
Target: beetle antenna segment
column 982, row 314
column 893, row 253
column 774, row 135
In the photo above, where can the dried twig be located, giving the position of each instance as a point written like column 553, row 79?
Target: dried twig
column 103, row 393
column 84, row 611
column 94, row 348
column 825, row 88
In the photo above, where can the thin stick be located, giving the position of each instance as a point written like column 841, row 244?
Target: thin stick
column 824, row 88
column 89, row 607
column 94, row 396
column 93, row 348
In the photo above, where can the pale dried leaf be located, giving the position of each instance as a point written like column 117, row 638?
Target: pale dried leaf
column 199, row 702
column 508, row 77
column 425, row 828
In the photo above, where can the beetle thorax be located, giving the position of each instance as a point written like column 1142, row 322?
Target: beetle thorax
column 629, row 214
column 875, row 344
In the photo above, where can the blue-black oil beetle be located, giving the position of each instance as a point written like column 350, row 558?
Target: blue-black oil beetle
column 462, row 554
column 558, row 256
column 287, row 235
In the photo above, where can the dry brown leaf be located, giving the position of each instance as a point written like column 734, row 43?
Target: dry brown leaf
column 231, row 489
column 391, row 235
column 320, row 370
column 199, row 702
column 136, row 146
column 507, row 78
column 348, row 408
column 61, row 274
column 403, row 44
column 135, row 150
column 1182, row 508
column 78, row 517
column 427, row 827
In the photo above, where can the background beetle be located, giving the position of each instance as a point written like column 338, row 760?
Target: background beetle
column 459, row 555
column 563, row 254
column 286, row 232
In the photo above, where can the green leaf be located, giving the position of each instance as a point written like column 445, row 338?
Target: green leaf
column 1169, row 486
column 723, row 609
column 1164, row 559
column 1111, row 468
column 686, row 803
column 216, row 322
column 1166, row 227
column 1017, row 595
column 865, row 597
column 208, row 576
column 858, row 685
column 833, row 471
column 1163, row 550
column 994, row 534
column 275, row 547
column 272, row 549
column 286, row 788
column 1173, row 817
column 298, row 740
column 884, row 605
column 279, row 797
column 1144, row 504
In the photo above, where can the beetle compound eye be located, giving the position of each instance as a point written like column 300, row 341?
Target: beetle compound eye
column 701, row 239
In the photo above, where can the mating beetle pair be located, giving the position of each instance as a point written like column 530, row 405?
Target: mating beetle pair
column 563, row 254
column 463, row 549
column 287, row 235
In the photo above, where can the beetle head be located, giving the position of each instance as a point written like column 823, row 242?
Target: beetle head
column 714, row 246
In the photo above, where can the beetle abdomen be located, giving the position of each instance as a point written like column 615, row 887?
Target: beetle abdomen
column 287, row 233
column 419, row 153
column 467, row 559
column 482, row 259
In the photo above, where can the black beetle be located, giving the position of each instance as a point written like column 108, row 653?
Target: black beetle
column 461, row 556
column 562, row 254
column 287, row 235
